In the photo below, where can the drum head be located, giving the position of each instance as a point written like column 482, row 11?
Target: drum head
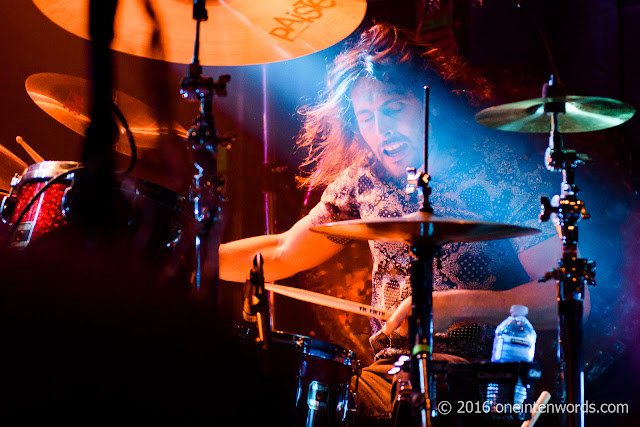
column 316, row 348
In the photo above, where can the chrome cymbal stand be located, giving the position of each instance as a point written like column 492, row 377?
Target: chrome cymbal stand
column 573, row 273
column 421, row 317
column 205, row 191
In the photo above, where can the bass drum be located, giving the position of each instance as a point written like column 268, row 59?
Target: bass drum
column 148, row 215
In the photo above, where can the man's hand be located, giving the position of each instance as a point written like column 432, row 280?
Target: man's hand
column 443, row 314
column 399, row 319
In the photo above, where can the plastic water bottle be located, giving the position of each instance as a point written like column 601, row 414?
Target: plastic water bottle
column 515, row 341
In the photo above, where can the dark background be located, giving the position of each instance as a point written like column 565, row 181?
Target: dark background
column 591, row 46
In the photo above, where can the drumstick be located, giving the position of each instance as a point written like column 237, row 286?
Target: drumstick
column 328, row 301
column 543, row 399
column 8, row 153
column 34, row 155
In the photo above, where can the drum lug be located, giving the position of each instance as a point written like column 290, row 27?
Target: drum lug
column 351, row 411
column 346, row 405
column 8, row 207
column 9, row 202
column 67, row 198
column 175, row 234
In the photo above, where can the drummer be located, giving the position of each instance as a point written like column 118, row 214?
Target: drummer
column 367, row 130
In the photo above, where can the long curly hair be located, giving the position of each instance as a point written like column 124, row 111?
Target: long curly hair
column 385, row 53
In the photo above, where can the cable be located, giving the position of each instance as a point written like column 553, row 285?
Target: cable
column 132, row 143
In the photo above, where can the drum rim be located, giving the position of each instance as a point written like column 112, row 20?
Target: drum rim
column 128, row 184
column 335, row 350
column 47, row 170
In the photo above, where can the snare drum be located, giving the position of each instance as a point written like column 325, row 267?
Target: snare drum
column 148, row 213
column 320, row 377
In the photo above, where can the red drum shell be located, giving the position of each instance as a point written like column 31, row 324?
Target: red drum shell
column 45, row 213
column 148, row 214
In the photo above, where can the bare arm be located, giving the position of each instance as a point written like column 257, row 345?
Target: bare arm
column 285, row 254
column 490, row 307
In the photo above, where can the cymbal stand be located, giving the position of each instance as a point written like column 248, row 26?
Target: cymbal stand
column 421, row 318
column 573, row 273
column 421, row 328
column 205, row 191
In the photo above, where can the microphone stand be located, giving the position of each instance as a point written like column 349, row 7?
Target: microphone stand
column 270, row 177
column 573, row 273
column 205, row 190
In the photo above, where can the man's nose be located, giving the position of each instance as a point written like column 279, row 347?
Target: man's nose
column 384, row 125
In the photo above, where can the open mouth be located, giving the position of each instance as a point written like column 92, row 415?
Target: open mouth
column 394, row 149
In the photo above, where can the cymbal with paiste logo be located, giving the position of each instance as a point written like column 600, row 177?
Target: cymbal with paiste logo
column 237, row 32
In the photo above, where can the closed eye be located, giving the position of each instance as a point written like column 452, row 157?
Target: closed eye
column 394, row 107
column 364, row 117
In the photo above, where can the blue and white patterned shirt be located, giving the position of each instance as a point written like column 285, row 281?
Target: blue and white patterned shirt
column 484, row 184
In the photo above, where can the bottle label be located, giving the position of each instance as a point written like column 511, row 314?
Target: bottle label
column 511, row 349
column 518, row 341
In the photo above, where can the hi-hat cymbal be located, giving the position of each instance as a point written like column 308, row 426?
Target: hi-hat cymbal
column 64, row 98
column 583, row 114
column 10, row 164
column 238, row 32
column 422, row 228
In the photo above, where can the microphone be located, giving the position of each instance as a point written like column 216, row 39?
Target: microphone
column 200, row 10
column 249, row 302
column 257, row 279
column 255, row 307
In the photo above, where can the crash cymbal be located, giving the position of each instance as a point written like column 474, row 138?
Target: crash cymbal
column 422, row 228
column 10, row 164
column 583, row 114
column 65, row 98
column 238, row 32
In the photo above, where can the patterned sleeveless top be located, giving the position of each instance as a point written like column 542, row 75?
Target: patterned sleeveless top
column 489, row 185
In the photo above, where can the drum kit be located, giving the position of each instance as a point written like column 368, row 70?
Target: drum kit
column 553, row 113
column 248, row 32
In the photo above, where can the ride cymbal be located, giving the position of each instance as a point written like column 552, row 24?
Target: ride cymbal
column 422, row 228
column 237, row 32
column 65, row 98
column 582, row 114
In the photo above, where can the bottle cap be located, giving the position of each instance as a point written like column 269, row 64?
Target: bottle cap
column 519, row 310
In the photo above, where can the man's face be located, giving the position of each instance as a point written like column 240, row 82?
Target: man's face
column 391, row 121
